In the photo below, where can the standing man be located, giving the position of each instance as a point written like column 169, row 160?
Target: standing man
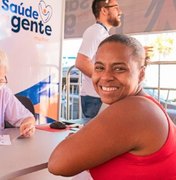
column 107, row 14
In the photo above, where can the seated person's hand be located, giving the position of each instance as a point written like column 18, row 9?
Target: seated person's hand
column 27, row 128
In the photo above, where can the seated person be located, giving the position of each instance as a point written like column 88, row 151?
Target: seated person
column 133, row 138
column 11, row 109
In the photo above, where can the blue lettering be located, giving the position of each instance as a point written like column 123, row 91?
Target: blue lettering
column 34, row 26
column 41, row 27
column 19, row 23
column 35, row 15
column 28, row 12
column 27, row 25
column 48, row 30
column 20, row 9
column 13, row 8
column 15, row 21
column 5, row 3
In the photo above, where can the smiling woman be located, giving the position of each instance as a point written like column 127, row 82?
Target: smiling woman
column 122, row 142
column 110, row 66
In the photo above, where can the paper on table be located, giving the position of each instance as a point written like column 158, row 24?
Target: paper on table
column 5, row 140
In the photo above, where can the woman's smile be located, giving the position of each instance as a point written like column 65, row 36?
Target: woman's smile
column 108, row 89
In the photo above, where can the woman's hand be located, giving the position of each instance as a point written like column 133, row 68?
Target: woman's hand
column 27, row 128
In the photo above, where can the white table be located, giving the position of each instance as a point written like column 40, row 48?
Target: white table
column 27, row 155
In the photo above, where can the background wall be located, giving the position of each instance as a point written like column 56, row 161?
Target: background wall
column 139, row 16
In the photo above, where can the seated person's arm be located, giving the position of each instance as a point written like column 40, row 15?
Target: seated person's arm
column 27, row 127
column 98, row 141
column 109, row 135
column 17, row 114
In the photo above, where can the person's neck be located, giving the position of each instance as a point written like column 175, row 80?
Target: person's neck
column 140, row 92
column 108, row 27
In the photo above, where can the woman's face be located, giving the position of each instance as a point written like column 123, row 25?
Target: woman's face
column 116, row 72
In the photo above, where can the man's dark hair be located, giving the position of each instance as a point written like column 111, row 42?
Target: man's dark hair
column 97, row 5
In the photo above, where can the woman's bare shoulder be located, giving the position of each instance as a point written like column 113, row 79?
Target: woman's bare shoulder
column 134, row 105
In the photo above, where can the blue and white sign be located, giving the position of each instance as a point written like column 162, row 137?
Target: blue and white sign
column 31, row 35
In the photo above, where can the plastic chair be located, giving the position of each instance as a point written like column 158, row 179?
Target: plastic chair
column 27, row 103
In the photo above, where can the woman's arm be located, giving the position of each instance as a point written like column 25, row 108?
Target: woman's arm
column 120, row 128
column 100, row 140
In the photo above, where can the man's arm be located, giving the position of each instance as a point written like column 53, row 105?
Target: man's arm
column 83, row 63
